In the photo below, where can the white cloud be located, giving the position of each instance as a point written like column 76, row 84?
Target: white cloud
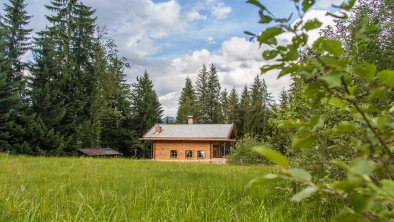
column 221, row 10
column 143, row 18
column 195, row 15
column 170, row 105
column 238, row 49
column 136, row 24
column 142, row 47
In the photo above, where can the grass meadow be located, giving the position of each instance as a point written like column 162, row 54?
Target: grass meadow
column 84, row 189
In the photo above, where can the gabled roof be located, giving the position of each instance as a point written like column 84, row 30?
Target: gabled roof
column 201, row 132
column 100, row 152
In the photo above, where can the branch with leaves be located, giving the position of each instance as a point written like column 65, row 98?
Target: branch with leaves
column 334, row 79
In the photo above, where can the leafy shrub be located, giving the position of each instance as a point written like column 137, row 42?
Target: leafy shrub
column 243, row 153
column 350, row 87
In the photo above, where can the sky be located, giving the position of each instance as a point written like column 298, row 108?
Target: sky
column 172, row 39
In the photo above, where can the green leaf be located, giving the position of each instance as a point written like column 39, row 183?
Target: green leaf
column 362, row 166
column 330, row 45
column 306, row 75
column 336, row 102
column 256, row 3
column 305, row 193
column 333, row 46
column 291, row 55
column 387, row 77
column 346, row 5
column 329, row 60
column 264, row 19
column 270, row 54
column 300, row 174
column 312, row 89
column 360, row 202
column 268, row 35
column 267, row 68
column 381, row 121
column 300, row 40
column 312, row 24
column 366, row 71
column 306, row 4
column 283, row 20
column 292, row 68
column 303, row 140
column 273, row 156
column 345, row 185
column 333, row 79
column 270, row 177
column 316, row 122
column 378, row 93
column 250, row 33
column 388, row 187
column 345, row 127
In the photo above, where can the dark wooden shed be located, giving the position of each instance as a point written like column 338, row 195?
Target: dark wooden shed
column 99, row 152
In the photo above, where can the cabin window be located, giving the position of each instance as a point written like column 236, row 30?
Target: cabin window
column 201, row 154
column 189, row 154
column 174, row 153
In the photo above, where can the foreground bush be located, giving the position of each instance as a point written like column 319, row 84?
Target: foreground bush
column 243, row 153
column 360, row 89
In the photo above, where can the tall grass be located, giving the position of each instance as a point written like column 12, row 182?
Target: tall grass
column 83, row 189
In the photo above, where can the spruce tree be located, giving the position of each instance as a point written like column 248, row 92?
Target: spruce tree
column 213, row 96
column 283, row 99
column 257, row 116
column 234, row 110
column 14, row 43
column 7, row 101
column 17, row 41
column 202, row 89
column 267, row 111
column 244, row 110
column 187, row 103
column 146, row 108
column 46, row 95
column 72, row 32
column 224, row 107
column 112, row 105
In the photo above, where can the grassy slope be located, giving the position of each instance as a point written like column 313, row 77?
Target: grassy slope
column 73, row 189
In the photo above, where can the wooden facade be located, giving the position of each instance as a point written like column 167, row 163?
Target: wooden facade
column 188, row 150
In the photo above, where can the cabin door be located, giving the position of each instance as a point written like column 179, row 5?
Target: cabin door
column 216, row 151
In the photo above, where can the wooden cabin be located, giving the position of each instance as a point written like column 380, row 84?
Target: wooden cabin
column 190, row 142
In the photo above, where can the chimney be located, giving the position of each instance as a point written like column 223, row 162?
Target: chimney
column 190, row 120
column 158, row 129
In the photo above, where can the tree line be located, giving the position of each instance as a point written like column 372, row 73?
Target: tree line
column 209, row 104
column 73, row 94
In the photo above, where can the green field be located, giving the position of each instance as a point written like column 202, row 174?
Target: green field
column 82, row 189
